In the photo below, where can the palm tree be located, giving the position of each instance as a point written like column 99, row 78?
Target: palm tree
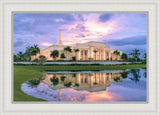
column 116, row 52
column 68, row 49
column 95, row 51
column 21, row 56
column 62, row 56
column 54, row 54
column 16, row 58
column 42, row 58
column 33, row 50
column 124, row 56
column 135, row 53
column 76, row 50
column 27, row 56
column 145, row 57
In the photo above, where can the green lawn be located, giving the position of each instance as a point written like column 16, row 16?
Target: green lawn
column 24, row 73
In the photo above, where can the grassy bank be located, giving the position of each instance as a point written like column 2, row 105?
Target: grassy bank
column 24, row 73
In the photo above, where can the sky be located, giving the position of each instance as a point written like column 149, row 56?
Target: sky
column 125, row 31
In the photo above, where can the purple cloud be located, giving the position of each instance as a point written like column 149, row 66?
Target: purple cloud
column 134, row 40
column 105, row 17
column 119, row 30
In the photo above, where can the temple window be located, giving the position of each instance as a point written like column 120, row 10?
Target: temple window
column 107, row 54
column 81, row 80
column 85, row 80
column 85, row 52
column 81, row 52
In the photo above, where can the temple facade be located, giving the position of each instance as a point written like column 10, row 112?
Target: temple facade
column 92, row 50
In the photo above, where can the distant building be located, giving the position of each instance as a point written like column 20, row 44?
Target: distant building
column 86, row 51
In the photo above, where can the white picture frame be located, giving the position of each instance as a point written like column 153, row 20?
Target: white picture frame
column 153, row 47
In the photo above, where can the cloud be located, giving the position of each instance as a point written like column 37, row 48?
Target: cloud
column 18, row 43
column 40, row 23
column 105, row 17
column 46, row 44
column 113, row 28
column 134, row 40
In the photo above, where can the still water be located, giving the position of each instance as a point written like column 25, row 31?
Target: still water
column 89, row 86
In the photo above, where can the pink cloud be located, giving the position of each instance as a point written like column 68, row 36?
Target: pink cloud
column 46, row 44
column 89, row 30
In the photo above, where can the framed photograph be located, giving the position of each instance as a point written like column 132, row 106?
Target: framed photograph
column 84, row 57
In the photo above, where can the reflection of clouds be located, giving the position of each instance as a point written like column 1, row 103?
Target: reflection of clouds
column 99, row 96
column 44, row 92
column 127, row 90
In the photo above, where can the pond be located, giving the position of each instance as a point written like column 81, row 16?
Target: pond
column 89, row 86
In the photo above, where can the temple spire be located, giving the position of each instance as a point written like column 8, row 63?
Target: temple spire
column 60, row 41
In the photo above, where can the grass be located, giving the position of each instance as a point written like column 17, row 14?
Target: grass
column 21, row 75
column 25, row 73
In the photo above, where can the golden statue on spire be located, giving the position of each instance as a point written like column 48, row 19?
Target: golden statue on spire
column 60, row 41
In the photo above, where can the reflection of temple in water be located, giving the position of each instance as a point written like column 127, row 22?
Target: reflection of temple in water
column 91, row 82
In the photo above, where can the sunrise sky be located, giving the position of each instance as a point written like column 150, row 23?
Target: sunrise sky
column 124, row 31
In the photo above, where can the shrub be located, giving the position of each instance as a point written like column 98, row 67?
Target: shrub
column 35, row 60
column 34, row 82
column 74, row 58
column 68, row 84
column 76, row 85
column 124, row 64
column 107, row 58
column 90, row 59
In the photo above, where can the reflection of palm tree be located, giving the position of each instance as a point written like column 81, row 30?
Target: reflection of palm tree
column 136, row 75
column 124, row 74
column 54, row 80
column 117, row 79
column 63, row 78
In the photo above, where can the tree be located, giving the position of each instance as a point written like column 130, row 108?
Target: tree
column 54, row 80
column 135, row 75
column 54, row 54
column 16, row 58
column 21, row 56
column 42, row 58
column 124, row 56
column 76, row 50
column 62, row 56
column 33, row 50
column 116, row 52
column 95, row 51
column 135, row 53
column 145, row 58
column 68, row 49
column 27, row 56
